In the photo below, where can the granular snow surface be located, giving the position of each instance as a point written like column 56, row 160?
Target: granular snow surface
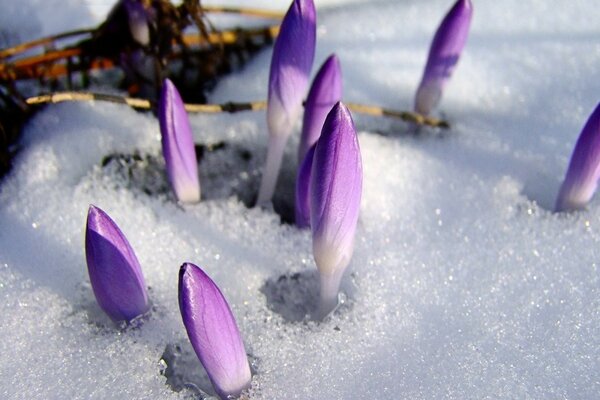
column 464, row 284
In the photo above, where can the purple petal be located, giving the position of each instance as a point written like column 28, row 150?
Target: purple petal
column 114, row 270
column 302, row 204
column 178, row 145
column 291, row 63
column 584, row 169
column 444, row 53
column 213, row 332
column 335, row 191
column 292, row 60
column 326, row 90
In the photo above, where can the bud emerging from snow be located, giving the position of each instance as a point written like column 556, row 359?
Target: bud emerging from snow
column 114, row 270
column 584, row 169
column 178, row 145
column 335, row 192
column 444, row 53
column 213, row 332
column 325, row 91
column 292, row 60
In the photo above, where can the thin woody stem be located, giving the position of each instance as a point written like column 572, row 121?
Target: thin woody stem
column 11, row 51
column 250, row 12
column 230, row 107
column 47, row 66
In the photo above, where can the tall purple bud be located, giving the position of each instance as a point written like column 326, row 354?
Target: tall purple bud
column 302, row 204
column 115, row 273
column 584, row 169
column 325, row 92
column 444, row 53
column 335, row 192
column 292, row 60
column 213, row 332
column 178, row 145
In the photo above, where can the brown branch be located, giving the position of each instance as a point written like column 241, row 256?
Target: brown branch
column 46, row 66
column 250, row 12
column 230, row 107
column 11, row 51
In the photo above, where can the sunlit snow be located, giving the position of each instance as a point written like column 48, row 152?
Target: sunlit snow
column 463, row 285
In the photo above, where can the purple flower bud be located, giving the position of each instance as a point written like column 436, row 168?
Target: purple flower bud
column 302, row 204
column 335, row 192
column 326, row 90
column 584, row 169
column 445, row 50
column 292, row 60
column 178, row 145
column 213, row 332
column 115, row 272
column 138, row 19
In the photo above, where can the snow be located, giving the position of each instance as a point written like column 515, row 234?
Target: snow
column 463, row 283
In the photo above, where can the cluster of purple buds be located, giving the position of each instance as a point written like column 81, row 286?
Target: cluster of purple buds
column 120, row 290
column 291, row 63
column 444, row 53
column 583, row 173
column 178, row 145
column 325, row 92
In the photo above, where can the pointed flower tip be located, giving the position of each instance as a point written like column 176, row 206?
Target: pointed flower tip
column 178, row 145
column 325, row 92
column 213, row 332
column 583, row 173
column 445, row 50
column 115, row 273
column 335, row 193
column 292, row 60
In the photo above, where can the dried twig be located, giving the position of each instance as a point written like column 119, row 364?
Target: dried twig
column 230, row 107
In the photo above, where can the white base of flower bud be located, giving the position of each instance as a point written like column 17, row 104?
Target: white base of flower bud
column 329, row 290
column 271, row 170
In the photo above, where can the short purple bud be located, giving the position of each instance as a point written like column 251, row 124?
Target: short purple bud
column 139, row 21
column 444, row 53
column 115, row 273
column 302, row 204
column 325, row 92
column 291, row 63
column 178, row 145
column 213, row 332
column 335, row 192
column 582, row 176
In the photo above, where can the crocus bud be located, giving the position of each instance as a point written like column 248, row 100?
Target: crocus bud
column 302, row 204
column 292, row 60
column 325, row 91
column 582, row 176
column 335, row 192
column 445, row 50
column 115, row 272
column 178, row 145
column 213, row 332
column 139, row 21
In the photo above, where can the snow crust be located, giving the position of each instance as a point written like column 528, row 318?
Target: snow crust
column 463, row 283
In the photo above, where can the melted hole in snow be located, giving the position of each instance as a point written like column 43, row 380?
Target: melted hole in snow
column 225, row 169
column 294, row 295
column 180, row 365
